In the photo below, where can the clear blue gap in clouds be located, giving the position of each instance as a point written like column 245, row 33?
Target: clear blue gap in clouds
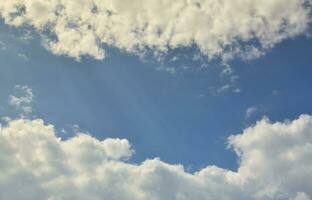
column 160, row 113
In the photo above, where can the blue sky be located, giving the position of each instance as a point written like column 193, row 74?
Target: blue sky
column 125, row 97
column 158, row 100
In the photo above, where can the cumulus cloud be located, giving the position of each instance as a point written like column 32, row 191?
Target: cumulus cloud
column 218, row 28
column 275, row 162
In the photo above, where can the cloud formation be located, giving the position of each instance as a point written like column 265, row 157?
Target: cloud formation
column 275, row 163
column 250, row 111
column 22, row 99
column 218, row 28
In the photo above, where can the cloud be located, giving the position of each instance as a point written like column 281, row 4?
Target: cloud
column 219, row 29
column 229, row 87
column 275, row 162
column 223, row 88
column 250, row 111
column 22, row 99
column 3, row 46
column 23, row 57
column 301, row 196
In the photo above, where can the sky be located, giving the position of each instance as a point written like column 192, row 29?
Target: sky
column 155, row 100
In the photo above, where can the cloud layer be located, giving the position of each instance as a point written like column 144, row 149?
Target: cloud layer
column 219, row 28
column 275, row 163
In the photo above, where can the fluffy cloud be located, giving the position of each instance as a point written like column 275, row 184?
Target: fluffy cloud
column 219, row 28
column 275, row 163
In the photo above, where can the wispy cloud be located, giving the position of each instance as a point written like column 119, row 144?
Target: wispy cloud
column 23, row 57
column 3, row 47
column 250, row 111
column 22, row 99
column 229, row 87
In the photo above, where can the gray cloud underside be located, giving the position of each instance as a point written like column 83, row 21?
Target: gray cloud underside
column 219, row 28
column 275, row 164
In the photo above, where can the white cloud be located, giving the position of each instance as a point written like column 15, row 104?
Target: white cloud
column 250, row 111
column 220, row 29
column 229, row 87
column 3, row 46
column 22, row 99
column 23, row 57
column 275, row 163
column 301, row 196
column 224, row 88
column 170, row 70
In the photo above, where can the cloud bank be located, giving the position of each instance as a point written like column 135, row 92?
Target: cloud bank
column 275, row 162
column 218, row 28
